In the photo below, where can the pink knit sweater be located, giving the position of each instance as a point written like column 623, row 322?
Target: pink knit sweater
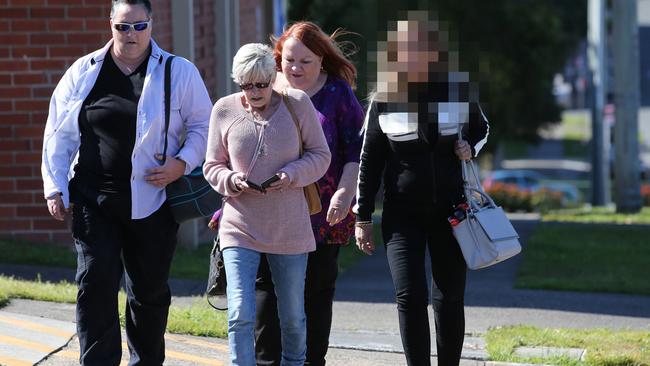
column 277, row 222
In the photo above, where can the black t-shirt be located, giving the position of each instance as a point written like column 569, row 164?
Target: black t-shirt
column 107, row 122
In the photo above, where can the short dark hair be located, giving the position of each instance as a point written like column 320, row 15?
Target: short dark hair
column 145, row 3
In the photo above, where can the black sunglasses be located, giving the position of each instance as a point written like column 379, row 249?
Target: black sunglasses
column 125, row 27
column 249, row 86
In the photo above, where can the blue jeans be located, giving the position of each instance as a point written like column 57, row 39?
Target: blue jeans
column 288, row 273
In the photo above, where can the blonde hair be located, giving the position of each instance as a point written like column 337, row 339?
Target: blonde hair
column 253, row 62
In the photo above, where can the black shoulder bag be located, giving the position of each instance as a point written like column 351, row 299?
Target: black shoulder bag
column 190, row 196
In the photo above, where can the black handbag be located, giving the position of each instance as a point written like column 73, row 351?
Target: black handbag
column 216, row 290
column 190, row 196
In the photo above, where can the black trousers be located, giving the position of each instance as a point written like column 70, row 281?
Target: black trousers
column 320, row 284
column 109, row 243
column 407, row 236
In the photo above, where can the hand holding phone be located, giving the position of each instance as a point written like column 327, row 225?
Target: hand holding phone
column 268, row 182
column 255, row 186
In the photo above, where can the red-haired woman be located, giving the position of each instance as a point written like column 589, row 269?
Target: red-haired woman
column 311, row 60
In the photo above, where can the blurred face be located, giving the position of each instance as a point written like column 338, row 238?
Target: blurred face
column 133, row 35
column 257, row 94
column 405, row 57
column 412, row 51
column 300, row 66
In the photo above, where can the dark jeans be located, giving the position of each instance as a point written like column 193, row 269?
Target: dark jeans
column 320, row 283
column 407, row 237
column 109, row 243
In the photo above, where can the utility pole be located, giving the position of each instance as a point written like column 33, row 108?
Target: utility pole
column 625, row 42
column 597, row 37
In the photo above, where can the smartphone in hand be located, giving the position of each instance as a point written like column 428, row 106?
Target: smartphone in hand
column 255, row 186
column 268, row 182
column 262, row 187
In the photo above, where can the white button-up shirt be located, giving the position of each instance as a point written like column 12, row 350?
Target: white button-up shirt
column 188, row 125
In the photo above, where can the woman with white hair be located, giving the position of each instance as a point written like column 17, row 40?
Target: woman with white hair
column 253, row 159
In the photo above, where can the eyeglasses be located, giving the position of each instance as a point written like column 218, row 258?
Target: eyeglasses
column 249, row 86
column 125, row 27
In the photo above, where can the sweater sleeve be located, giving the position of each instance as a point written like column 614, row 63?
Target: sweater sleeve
column 216, row 168
column 373, row 160
column 316, row 156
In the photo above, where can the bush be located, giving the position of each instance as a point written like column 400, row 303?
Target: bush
column 513, row 199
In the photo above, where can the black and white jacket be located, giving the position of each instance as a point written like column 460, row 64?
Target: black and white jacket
column 412, row 146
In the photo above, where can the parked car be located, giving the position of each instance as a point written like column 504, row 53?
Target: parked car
column 530, row 180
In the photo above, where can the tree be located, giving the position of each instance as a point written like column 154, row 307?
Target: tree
column 513, row 48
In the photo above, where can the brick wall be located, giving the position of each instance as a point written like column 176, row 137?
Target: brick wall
column 162, row 26
column 39, row 40
column 205, row 52
column 253, row 27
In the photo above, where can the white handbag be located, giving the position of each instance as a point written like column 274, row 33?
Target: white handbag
column 485, row 234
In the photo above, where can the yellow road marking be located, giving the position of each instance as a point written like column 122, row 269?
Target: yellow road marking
column 67, row 354
column 75, row 354
column 8, row 361
column 35, row 326
column 71, row 354
column 198, row 342
column 186, row 357
column 27, row 344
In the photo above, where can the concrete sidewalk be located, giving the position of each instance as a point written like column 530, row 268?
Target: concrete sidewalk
column 365, row 330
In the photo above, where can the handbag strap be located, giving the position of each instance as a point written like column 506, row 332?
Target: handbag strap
column 168, row 88
column 472, row 184
column 285, row 96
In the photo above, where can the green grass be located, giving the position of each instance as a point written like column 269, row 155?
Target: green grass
column 37, row 254
column 575, row 148
column 515, row 149
column 196, row 319
column 576, row 125
column 600, row 215
column 36, row 290
column 192, row 263
column 604, row 347
column 187, row 263
column 580, row 257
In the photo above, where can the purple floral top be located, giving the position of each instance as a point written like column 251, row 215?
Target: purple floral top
column 341, row 117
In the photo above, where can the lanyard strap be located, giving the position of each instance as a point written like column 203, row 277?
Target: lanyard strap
column 258, row 148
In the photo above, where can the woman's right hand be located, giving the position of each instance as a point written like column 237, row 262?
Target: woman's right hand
column 363, row 236
column 463, row 150
column 56, row 207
